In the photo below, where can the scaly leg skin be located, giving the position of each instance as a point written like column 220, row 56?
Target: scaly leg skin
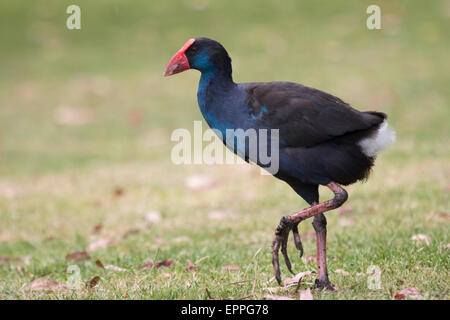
column 287, row 223
column 320, row 226
column 297, row 240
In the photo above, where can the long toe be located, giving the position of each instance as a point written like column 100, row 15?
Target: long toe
column 297, row 240
column 324, row 284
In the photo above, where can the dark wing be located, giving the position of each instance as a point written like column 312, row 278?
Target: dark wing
column 305, row 116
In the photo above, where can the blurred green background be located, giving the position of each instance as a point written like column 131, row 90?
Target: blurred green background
column 83, row 112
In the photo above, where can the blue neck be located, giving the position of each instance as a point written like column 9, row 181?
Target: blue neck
column 212, row 81
column 212, row 89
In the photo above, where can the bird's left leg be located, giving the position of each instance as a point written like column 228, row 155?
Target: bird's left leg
column 288, row 222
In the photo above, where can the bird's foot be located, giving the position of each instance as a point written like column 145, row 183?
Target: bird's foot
column 324, row 284
column 281, row 239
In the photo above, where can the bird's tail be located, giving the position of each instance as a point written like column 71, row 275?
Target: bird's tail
column 382, row 138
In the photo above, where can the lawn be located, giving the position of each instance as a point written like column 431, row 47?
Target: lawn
column 85, row 124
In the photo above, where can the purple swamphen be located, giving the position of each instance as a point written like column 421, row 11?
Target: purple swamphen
column 322, row 140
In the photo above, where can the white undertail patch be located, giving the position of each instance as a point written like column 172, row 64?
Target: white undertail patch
column 383, row 138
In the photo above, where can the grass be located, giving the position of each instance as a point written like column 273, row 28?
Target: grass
column 85, row 124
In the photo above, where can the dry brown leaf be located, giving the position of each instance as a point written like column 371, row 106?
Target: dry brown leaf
column 417, row 238
column 7, row 259
column 99, row 244
column 146, row 265
column 275, row 297
column 99, row 264
column 231, row 267
column 165, row 263
column 191, row 265
column 78, row 256
column 399, row 296
column 93, row 282
column 97, row 228
column 118, row 192
column 306, row 294
column 43, row 284
column 294, row 281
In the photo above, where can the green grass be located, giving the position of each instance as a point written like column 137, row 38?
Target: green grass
column 57, row 181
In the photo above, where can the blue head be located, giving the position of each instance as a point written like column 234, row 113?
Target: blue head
column 203, row 54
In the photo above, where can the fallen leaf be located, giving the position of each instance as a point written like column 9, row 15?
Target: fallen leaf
column 306, row 294
column 65, row 115
column 99, row 264
column 399, row 296
column 99, row 244
column 410, row 292
column 199, row 183
column 46, row 285
column 294, row 281
column 78, row 256
column 275, row 297
column 230, row 267
column 341, row 271
column 153, row 217
column 115, row 268
column 93, row 282
column 421, row 238
column 146, row 265
column 165, row 263
column 97, row 228
column 191, row 265
column 6, row 259
column 118, row 192
column 447, row 246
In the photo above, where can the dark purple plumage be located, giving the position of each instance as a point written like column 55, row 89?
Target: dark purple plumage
column 323, row 141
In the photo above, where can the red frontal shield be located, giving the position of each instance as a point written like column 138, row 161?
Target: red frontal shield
column 179, row 62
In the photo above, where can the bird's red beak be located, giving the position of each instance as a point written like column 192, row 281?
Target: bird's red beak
column 179, row 62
